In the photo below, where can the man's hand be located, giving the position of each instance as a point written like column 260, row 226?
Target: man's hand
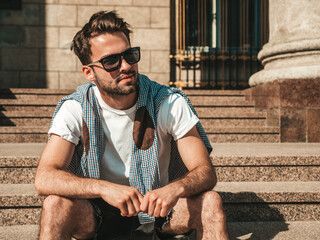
column 125, row 198
column 158, row 202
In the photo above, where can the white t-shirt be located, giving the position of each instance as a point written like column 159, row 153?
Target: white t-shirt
column 175, row 119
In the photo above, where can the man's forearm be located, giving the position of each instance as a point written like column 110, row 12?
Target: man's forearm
column 198, row 180
column 63, row 183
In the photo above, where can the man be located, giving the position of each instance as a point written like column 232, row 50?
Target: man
column 106, row 169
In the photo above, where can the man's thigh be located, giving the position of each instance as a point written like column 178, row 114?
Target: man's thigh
column 74, row 216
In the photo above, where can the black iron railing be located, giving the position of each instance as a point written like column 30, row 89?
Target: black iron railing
column 214, row 43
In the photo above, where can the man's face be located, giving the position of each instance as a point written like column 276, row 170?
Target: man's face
column 122, row 81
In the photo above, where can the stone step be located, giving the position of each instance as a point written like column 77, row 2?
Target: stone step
column 271, row 201
column 25, row 134
column 45, row 101
column 266, row 161
column 27, row 108
column 26, row 114
column 225, row 111
column 220, row 101
column 277, row 230
column 307, row 230
column 21, row 170
column 31, row 91
column 229, row 113
column 203, row 113
column 49, row 97
column 233, row 162
column 14, row 118
column 193, row 92
column 239, row 134
column 25, row 121
column 22, row 134
column 198, row 92
column 248, row 201
column 208, row 117
column 222, row 122
column 243, row 130
column 196, row 101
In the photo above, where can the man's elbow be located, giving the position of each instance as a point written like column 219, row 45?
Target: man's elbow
column 39, row 184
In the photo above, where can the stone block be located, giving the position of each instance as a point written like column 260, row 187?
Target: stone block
column 160, row 62
column 9, row 79
column 40, row 37
column 32, row 79
column 20, row 59
column 60, row 15
column 265, row 95
column 118, row 2
column 144, row 64
column 313, row 125
column 29, row 15
column 52, row 34
column 11, row 35
column 79, row 64
column 300, row 93
column 34, row 37
column 151, row 39
column 85, row 12
column 157, row 3
column 52, row 79
column 58, row 60
column 273, row 117
column 80, row 2
column 137, row 17
column 293, row 125
column 160, row 18
column 162, row 78
column 71, row 80
column 66, row 36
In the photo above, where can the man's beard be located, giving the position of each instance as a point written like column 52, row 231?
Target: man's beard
column 114, row 89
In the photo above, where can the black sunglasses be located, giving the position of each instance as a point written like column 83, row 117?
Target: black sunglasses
column 113, row 62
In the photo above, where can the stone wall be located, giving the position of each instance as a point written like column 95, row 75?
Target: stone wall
column 35, row 41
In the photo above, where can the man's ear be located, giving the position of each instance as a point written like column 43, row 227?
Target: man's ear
column 88, row 73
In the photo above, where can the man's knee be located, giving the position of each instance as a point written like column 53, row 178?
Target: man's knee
column 213, row 206
column 55, row 207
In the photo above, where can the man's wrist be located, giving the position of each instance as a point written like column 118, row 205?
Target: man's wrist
column 98, row 187
column 178, row 188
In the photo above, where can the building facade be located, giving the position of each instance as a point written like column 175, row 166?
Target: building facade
column 35, row 38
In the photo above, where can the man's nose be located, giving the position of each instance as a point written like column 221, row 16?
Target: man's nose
column 124, row 65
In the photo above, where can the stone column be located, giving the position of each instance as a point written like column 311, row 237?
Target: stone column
column 293, row 50
column 288, row 87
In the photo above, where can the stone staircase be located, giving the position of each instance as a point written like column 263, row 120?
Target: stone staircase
column 271, row 190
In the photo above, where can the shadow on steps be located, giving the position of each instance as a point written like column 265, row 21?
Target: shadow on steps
column 250, row 217
column 5, row 93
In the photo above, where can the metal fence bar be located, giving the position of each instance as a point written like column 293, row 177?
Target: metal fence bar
column 229, row 63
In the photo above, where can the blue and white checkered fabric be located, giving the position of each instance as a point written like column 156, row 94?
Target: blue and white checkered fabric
column 144, row 169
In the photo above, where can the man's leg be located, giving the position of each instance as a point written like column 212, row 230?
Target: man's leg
column 204, row 213
column 62, row 218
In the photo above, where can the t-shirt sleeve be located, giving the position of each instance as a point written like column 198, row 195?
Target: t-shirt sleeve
column 175, row 116
column 68, row 122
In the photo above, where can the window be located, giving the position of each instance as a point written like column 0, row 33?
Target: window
column 10, row 4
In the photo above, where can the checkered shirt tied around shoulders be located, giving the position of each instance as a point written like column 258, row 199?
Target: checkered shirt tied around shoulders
column 144, row 169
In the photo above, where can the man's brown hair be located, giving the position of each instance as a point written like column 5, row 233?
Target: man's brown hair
column 99, row 23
